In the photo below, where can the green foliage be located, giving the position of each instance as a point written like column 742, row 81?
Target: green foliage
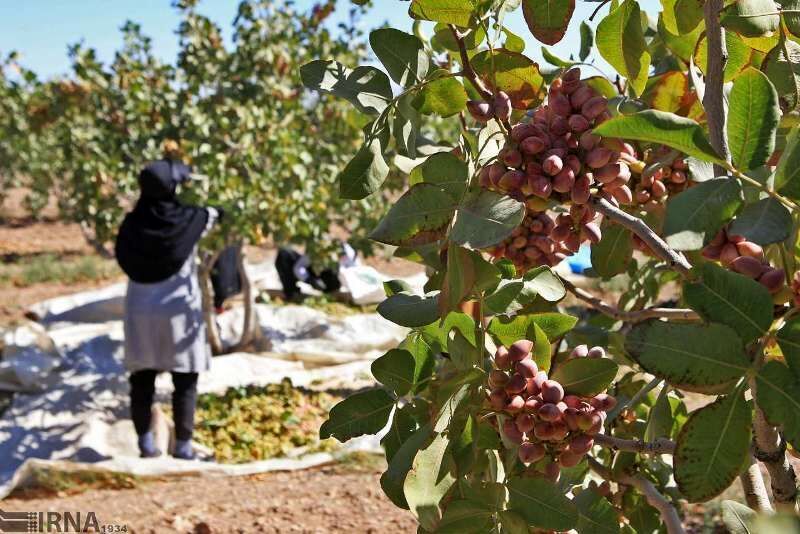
column 781, row 67
column 674, row 131
column 751, row 18
column 778, row 395
column 712, row 447
column 234, row 112
column 420, row 216
column 706, row 359
column 754, row 116
column 732, row 299
column 787, row 174
column 507, row 330
column 428, row 481
column 586, row 376
column 597, row 515
column 541, row 504
column 789, row 342
column 612, row 255
column 485, row 218
column 480, row 440
column 444, row 97
column 696, row 215
column 620, row 40
column 764, row 222
column 409, row 310
column 737, row 517
column 548, row 19
column 363, row 413
column 458, row 12
column 512, row 72
column 395, row 370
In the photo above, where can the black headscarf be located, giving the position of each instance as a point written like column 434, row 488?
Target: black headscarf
column 157, row 237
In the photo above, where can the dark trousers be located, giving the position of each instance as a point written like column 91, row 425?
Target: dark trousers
column 225, row 279
column 184, row 397
column 327, row 281
column 284, row 264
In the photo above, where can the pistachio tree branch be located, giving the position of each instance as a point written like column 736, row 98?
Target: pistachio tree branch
column 714, row 105
column 633, row 316
column 597, row 9
column 659, row 446
column 668, row 512
column 755, row 491
column 791, row 205
column 713, row 100
column 466, row 66
column 675, row 259
column 769, row 448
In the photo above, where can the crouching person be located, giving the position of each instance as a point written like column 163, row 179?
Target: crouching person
column 164, row 328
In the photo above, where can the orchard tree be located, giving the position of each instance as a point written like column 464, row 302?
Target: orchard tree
column 682, row 174
column 236, row 112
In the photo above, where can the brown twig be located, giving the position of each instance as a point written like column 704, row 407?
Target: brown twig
column 469, row 73
column 668, row 512
column 674, row 259
column 713, row 101
column 597, row 9
column 659, row 446
column 466, row 66
column 633, row 316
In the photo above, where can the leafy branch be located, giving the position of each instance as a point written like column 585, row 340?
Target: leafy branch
column 791, row 205
column 466, row 66
column 668, row 512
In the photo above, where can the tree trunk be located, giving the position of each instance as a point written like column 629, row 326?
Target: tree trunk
column 770, row 449
column 209, row 316
column 252, row 337
column 99, row 247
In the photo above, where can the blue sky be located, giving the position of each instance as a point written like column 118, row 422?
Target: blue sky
column 42, row 29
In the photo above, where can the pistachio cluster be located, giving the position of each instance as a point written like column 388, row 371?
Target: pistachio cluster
column 745, row 257
column 553, row 152
column 553, row 156
column 553, row 429
column 661, row 176
column 541, row 240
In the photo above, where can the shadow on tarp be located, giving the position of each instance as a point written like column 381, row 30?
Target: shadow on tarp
column 50, row 424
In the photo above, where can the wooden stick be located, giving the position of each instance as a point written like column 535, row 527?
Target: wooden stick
column 634, row 316
column 659, row 446
column 674, row 259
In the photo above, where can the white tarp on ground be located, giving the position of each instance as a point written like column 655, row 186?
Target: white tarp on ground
column 73, row 400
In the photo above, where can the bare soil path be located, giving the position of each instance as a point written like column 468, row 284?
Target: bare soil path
column 324, row 499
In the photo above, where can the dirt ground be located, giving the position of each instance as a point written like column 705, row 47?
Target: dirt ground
column 324, row 499
column 20, row 241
